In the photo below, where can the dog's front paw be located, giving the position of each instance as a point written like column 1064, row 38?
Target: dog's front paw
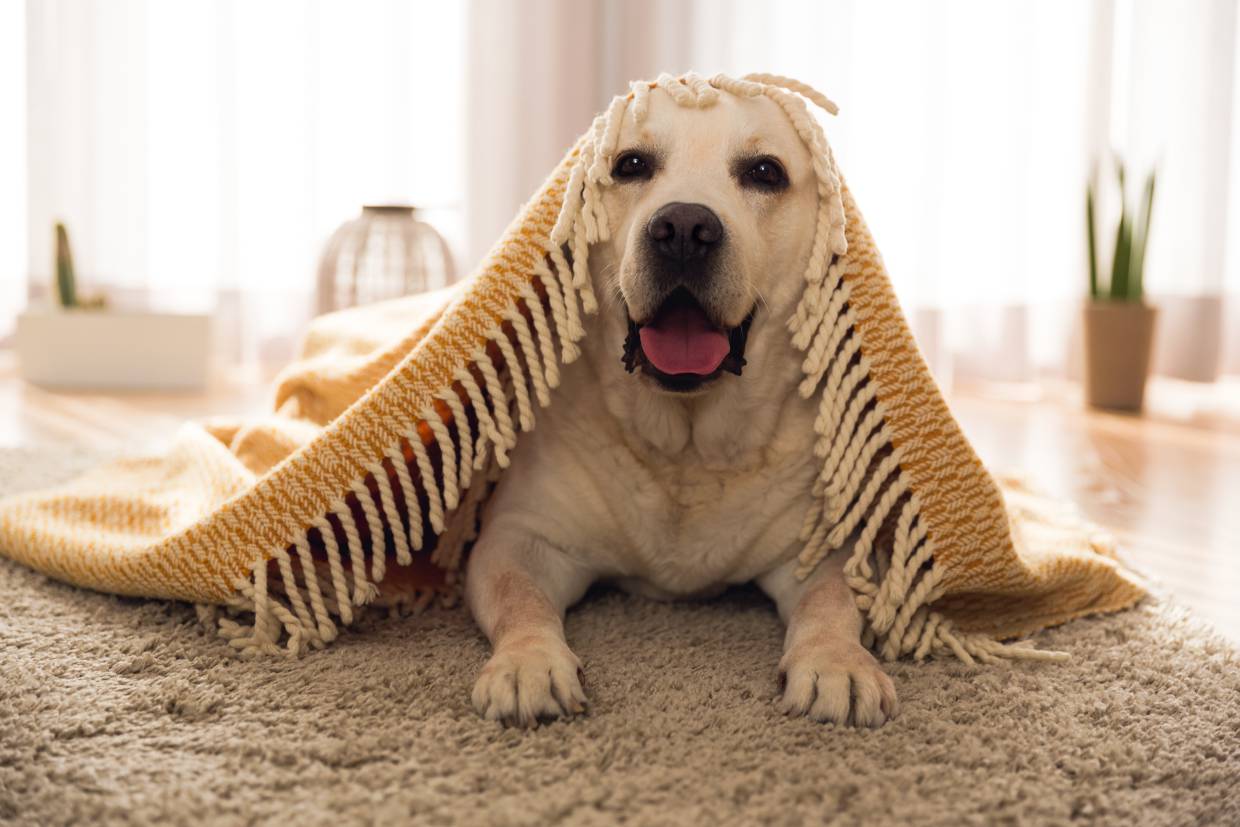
column 834, row 682
column 529, row 680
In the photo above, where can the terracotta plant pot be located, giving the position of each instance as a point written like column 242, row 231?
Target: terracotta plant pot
column 1119, row 337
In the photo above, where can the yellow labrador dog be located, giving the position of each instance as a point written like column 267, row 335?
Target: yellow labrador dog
column 663, row 466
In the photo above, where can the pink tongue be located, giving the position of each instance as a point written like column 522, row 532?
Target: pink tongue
column 682, row 340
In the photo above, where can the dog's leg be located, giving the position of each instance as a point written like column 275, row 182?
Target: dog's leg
column 517, row 588
column 828, row 675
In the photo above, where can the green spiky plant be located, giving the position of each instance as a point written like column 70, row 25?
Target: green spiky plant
column 1127, row 278
column 66, row 280
column 66, row 277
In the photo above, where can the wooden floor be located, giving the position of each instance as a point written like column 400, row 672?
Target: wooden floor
column 1166, row 484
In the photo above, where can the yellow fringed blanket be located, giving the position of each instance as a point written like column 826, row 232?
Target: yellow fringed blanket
column 390, row 430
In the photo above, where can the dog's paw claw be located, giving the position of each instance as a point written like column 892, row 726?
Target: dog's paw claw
column 530, row 681
column 844, row 685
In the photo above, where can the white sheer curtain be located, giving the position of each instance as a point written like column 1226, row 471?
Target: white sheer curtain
column 967, row 131
column 12, row 162
column 201, row 151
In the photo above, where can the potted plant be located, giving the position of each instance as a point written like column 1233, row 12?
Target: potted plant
column 1119, row 325
column 83, row 343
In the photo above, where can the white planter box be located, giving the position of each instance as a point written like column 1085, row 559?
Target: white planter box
column 111, row 350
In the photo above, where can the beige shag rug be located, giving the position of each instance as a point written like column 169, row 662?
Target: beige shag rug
column 118, row 710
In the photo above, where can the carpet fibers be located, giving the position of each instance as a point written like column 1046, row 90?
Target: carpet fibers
column 122, row 710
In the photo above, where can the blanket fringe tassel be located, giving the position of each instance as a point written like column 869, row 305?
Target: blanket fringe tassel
column 861, row 486
column 406, row 499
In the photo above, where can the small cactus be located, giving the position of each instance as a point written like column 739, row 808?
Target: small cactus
column 66, row 281
column 1127, row 281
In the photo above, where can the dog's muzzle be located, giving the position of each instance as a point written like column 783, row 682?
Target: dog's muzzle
column 682, row 348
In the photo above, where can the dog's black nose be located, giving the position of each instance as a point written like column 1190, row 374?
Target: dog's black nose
column 681, row 232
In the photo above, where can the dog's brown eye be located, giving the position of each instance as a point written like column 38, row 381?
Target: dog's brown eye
column 767, row 174
column 632, row 165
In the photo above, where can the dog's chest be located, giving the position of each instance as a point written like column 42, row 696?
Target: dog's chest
column 683, row 530
column 675, row 524
column 614, row 484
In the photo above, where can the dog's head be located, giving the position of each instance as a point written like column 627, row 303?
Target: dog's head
column 711, row 217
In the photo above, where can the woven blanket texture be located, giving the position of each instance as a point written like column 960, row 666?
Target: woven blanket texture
column 386, row 436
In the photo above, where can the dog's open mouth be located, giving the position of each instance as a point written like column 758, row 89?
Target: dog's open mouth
column 681, row 347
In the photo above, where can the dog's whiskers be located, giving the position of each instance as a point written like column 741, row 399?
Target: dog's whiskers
column 610, row 276
column 761, row 299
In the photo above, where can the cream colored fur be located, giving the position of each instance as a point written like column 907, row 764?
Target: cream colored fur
column 675, row 495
